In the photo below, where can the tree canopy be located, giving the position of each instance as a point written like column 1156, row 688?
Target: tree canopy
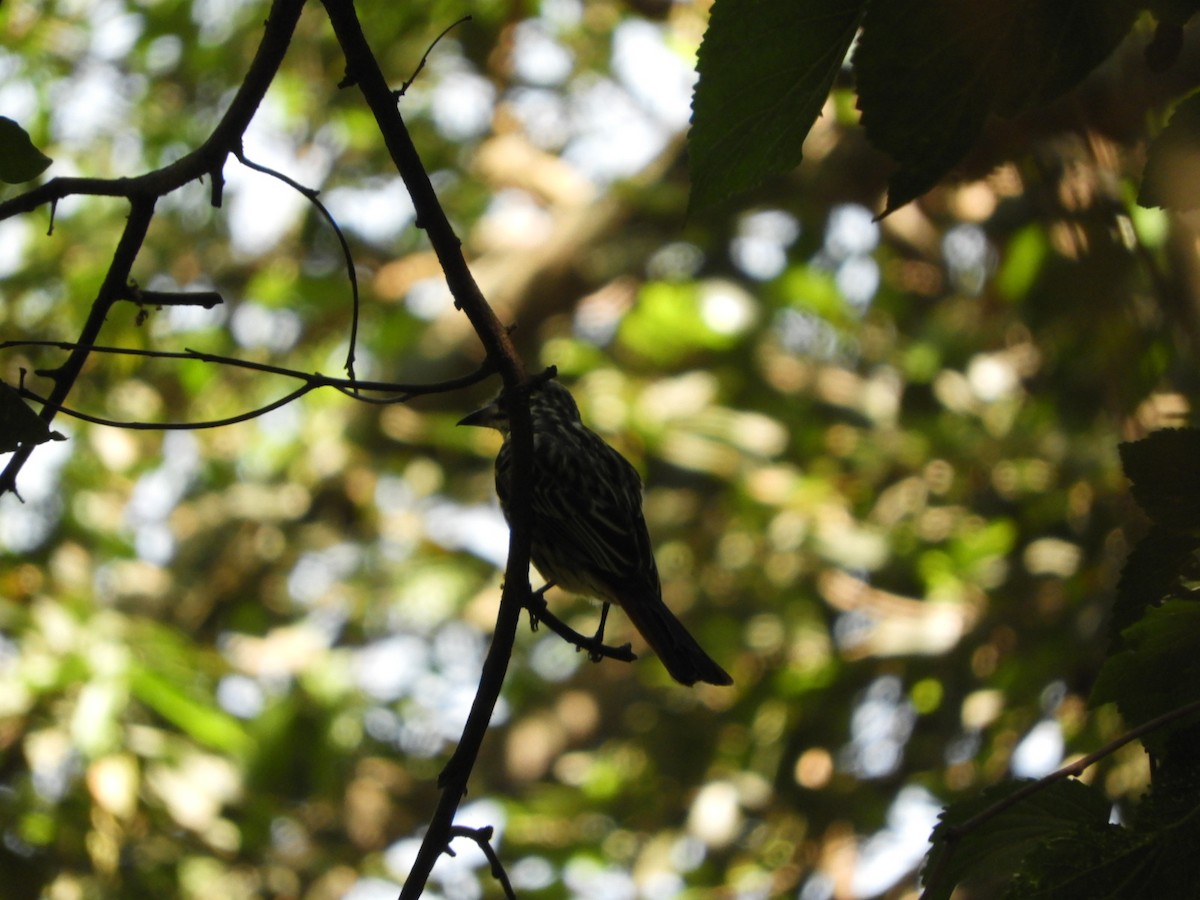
column 884, row 334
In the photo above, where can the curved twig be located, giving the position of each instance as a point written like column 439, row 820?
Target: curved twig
column 311, row 195
column 425, row 58
column 176, row 426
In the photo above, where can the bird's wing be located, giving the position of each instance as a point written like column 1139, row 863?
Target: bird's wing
column 594, row 504
column 588, row 523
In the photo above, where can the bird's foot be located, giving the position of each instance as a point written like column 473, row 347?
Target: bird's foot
column 597, row 640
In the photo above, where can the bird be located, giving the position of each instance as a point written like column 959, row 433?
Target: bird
column 589, row 536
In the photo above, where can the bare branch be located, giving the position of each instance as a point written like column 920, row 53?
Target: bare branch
column 483, row 838
column 312, row 196
column 203, row 299
column 176, row 426
column 111, row 291
column 425, row 58
column 363, row 70
column 401, row 393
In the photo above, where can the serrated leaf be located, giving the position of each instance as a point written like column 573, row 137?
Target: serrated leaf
column 1088, row 863
column 1165, row 473
column 765, row 70
column 1171, row 178
column 20, row 425
column 996, row 847
column 1160, row 670
column 1150, row 573
column 20, row 160
column 930, row 72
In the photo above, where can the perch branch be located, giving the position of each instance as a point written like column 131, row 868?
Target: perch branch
column 362, row 70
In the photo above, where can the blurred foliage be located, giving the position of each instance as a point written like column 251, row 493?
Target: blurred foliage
column 881, row 461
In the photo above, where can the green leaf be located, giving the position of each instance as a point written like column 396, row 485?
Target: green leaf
column 1171, row 178
column 1165, row 475
column 1150, row 573
column 19, row 159
column 930, row 72
column 997, row 847
column 1106, row 861
column 1151, row 858
column 197, row 717
column 765, row 70
column 20, row 425
column 1160, row 670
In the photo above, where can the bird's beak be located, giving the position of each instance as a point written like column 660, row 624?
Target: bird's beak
column 488, row 417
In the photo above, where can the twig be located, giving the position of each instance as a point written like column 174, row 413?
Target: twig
column 483, row 838
column 311, row 194
column 348, row 386
column 425, row 58
column 175, row 426
column 140, row 214
column 203, row 299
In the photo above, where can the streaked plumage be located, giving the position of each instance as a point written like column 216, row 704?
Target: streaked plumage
column 589, row 536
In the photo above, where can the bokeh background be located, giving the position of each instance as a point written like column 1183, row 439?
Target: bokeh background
column 880, row 456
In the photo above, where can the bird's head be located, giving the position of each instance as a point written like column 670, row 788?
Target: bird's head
column 550, row 406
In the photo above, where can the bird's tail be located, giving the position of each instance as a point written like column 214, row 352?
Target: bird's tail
column 684, row 659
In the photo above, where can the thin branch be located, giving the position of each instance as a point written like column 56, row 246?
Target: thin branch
column 483, row 838
column 111, row 290
column 177, row 426
column 203, row 299
column 348, row 386
column 311, row 194
column 209, row 157
column 424, row 59
column 143, row 192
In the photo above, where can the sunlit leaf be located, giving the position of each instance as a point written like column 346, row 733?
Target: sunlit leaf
column 194, row 716
column 668, row 324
